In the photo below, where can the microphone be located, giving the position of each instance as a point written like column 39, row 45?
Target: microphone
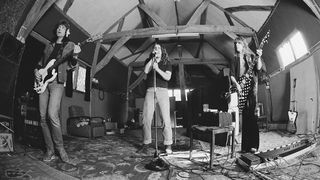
column 152, row 55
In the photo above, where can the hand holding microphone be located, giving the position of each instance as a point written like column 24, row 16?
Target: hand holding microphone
column 152, row 55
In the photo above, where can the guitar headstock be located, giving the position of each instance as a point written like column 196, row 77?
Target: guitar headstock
column 94, row 38
column 264, row 39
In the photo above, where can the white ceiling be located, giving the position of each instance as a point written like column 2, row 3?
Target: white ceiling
column 96, row 16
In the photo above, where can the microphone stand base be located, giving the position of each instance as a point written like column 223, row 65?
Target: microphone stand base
column 157, row 164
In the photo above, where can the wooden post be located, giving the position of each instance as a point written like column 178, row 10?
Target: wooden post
column 34, row 15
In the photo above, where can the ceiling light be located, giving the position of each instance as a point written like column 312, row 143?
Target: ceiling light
column 175, row 35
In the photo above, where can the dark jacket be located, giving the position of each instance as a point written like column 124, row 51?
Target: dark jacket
column 69, row 64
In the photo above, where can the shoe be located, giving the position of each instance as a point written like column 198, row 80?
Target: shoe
column 63, row 155
column 168, row 149
column 49, row 156
column 143, row 149
column 253, row 150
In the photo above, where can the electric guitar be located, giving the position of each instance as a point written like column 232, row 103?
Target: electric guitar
column 293, row 114
column 245, row 80
column 48, row 73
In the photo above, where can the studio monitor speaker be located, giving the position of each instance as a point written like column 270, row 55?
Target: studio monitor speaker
column 11, row 51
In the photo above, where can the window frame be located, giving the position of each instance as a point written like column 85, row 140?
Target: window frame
column 288, row 40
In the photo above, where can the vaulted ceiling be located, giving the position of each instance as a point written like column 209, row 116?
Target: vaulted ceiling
column 193, row 31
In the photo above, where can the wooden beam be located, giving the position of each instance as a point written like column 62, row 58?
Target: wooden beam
column 176, row 11
column 92, row 73
column 119, row 20
column 201, row 29
column 188, row 61
column 34, row 15
column 143, row 48
column 152, row 15
column 231, row 15
column 120, row 25
column 213, row 68
column 67, row 6
column 200, row 46
column 231, row 35
column 313, row 5
column 218, row 48
column 249, row 8
column 106, row 59
column 196, row 15
column 229, row 19
column 137, row 81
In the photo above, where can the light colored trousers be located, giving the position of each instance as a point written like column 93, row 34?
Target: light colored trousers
column 162, row 98
column 49, row 101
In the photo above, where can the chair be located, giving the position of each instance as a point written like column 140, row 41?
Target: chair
column 78, row 124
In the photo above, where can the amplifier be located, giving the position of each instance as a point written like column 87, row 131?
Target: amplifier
column 219, row 119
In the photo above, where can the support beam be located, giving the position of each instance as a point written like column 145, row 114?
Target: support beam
column 196, row 15
column 106, row 59
column 313, row 5
column 93, row 68
column 119, row 20
column 249, row 8
column 143, row 48
column 201, row 29
column 34, row 15
column 152, row 15
column 231, row 15
column 213, row 68
column 137, row 81
column 188, row 61
column 67, row 6
column 219, row 49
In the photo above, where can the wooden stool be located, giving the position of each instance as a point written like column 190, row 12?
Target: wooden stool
column 213, row 130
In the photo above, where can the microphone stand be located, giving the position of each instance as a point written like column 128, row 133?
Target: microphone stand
column 157, row 164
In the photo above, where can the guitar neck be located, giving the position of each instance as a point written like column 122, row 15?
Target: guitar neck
column 62, row 59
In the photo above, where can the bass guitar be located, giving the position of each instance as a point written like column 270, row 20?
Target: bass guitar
column 48, row 73
column 245, row 80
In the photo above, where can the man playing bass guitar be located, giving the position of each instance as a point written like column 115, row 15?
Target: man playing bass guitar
column 50, row 98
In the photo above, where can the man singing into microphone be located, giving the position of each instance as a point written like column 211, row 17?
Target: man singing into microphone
column 158, row 61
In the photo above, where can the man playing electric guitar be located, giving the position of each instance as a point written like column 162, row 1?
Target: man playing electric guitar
column 50, row 98
column 239, row 67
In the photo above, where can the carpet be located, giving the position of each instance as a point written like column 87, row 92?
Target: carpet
column 108, row 157
column 115, row 157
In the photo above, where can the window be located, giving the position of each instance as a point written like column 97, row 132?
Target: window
column 177, row 93
column 292, row 49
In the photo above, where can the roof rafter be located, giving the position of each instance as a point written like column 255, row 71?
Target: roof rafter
column 152, row 15
column 249, row 8
column 201, row 29
column 199, row 11
column 188, row 61
column 67, row 6
column 106, row 59
column 119, row 20
column 231, row 15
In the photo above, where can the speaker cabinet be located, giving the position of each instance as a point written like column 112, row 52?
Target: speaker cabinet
column 11, row 51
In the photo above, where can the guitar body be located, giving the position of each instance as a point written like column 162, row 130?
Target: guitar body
column 47, row 76
column 48, row 73
column 292, row 127
column 245, row 83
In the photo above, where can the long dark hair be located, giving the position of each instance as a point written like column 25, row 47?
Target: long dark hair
column 164, row 54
